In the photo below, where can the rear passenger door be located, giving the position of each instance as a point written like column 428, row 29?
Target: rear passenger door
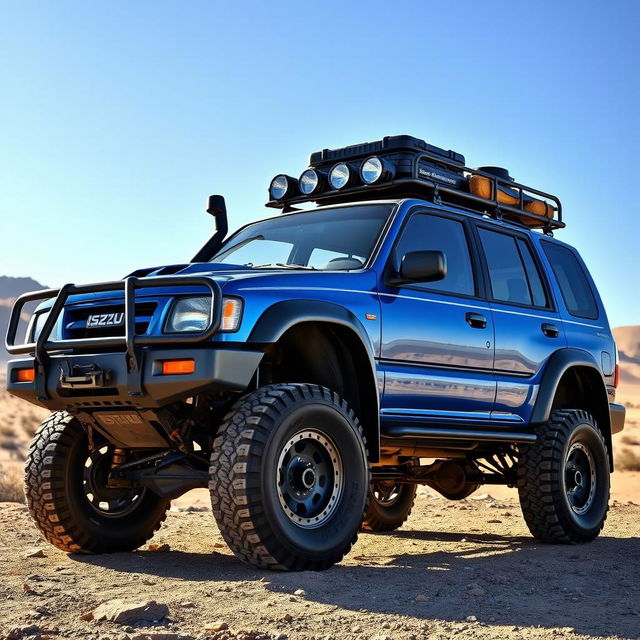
column 437, row 337
column 528, row 328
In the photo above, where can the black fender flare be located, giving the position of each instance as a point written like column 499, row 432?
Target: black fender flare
column 559, row 363
column 282, row 316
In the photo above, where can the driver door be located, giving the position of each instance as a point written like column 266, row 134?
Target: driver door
column 438, row 337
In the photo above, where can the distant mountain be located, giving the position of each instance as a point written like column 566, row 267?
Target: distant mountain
column 10, row 289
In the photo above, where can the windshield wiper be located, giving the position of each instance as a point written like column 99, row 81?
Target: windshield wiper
column 280, row 265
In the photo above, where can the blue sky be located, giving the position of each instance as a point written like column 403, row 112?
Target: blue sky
column 117, row 119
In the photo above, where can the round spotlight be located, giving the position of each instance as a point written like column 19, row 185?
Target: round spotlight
column 371, row 170
column 309, row 181
column 282, row 186
column 339, row 175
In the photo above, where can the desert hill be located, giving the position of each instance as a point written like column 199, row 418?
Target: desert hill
column 628, row 341
column 10, row 289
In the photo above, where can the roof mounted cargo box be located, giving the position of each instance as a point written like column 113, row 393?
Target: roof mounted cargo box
column 410, row 167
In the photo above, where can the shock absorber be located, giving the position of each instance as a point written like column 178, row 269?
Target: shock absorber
column 118, row 458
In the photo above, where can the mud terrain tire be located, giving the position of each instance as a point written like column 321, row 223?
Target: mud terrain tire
column 289, row 478
column 55, row 484
column 563, row 479
column 389, row 507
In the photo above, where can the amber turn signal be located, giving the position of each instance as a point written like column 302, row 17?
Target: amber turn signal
column 178, row 367
column 25, row 375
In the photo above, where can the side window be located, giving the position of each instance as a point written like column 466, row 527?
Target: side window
column 433, row 233
column 573, row 283
column 533, row 276
column 512, row 271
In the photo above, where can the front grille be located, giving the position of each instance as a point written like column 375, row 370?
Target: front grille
column 75, row 320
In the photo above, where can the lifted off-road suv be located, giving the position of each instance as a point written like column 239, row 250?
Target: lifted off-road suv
column 421, row 326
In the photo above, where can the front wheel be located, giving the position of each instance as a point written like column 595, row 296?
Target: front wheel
column 390, row 505
column 66, row 486
column 289, row 478
column 563, row 479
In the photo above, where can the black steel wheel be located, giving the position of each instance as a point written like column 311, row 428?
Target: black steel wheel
column 68, row 497
column 390, row 505
column 563, row 479
column 310, row 478
column 108, row 502
column 289, row 478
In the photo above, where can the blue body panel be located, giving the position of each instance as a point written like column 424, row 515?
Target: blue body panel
column 432, row 366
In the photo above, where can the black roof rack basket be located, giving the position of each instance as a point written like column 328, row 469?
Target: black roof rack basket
column 428, row 172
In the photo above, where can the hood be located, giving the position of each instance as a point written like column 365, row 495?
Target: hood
column 225, row 273
column 235, row 279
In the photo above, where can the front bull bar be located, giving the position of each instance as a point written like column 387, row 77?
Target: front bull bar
column 130, row 341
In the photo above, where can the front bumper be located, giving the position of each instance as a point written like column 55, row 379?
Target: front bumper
column 142, row 388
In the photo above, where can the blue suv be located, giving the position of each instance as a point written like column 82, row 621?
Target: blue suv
column 420, row 326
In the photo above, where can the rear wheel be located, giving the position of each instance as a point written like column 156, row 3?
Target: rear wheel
column 70, row 501
column 390, row 505
column 563, row 479
column 289, row 478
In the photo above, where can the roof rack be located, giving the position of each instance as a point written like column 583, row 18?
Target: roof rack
column 403, row 166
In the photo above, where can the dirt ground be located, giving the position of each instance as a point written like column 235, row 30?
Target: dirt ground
column 467, row 569
column 464, row 570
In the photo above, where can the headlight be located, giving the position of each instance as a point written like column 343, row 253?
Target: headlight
column 339, row 175
column 371, row 170
column 193, row 315
column 189, row 314
column 308, row 181
column 282, row 186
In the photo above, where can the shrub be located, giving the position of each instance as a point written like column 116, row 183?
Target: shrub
column 29, row 423
column 7, row 431
column 628, row 460
column 11, row 485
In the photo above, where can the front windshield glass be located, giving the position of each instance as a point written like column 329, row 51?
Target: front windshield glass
column 330, row 239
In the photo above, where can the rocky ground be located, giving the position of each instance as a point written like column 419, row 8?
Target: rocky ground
column 464, row 570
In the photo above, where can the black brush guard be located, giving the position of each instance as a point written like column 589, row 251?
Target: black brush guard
column 130, row 342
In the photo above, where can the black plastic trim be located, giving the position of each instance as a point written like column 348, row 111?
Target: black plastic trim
column 559, row 363
column 226, row 370
column 282, row 316
column 438, row 433
column 617, row 414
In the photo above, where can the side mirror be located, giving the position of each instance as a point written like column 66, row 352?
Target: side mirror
column 421, row 266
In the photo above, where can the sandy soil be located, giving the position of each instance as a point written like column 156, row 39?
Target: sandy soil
column 416, row 583
column 467, row 569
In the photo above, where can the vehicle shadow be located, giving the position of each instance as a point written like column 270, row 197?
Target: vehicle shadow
column 502, row 580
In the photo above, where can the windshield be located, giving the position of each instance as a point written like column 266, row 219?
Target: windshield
column 341, row 238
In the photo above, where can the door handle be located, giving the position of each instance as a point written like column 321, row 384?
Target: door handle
column 550, row 330
column 476, row 320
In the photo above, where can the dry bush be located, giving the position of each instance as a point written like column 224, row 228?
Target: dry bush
column 11, row 485
column 628, row 460
column 14, row 449
column 7, row 431
column 29, row 422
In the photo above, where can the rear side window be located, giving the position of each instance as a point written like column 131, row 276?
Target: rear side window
column 433, row 233
column 533, row 275
column 512, row 271
column 573, row 283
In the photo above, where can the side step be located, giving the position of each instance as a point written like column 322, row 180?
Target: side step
column 437, row 433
